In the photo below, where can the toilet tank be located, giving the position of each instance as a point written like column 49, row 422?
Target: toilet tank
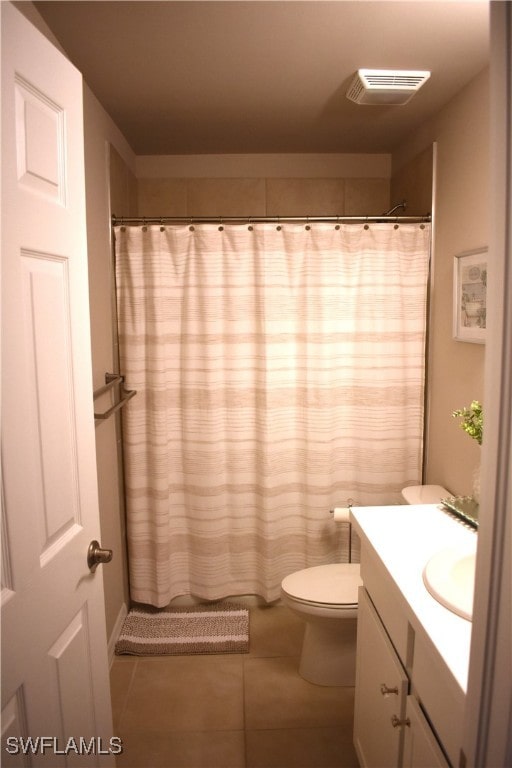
column 424, row 494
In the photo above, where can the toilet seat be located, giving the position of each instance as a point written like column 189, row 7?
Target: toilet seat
column 332, row 586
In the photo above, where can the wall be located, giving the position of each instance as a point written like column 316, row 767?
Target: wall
column 461, row 189
column 101, row 135
column 263, row 185
column 413, row 182
column 28, row 9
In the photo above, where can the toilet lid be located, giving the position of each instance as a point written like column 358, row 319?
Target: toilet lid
column 335, row 584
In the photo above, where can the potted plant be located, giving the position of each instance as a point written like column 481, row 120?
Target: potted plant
column 472, row 422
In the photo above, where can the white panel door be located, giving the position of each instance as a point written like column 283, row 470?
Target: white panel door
column 55, row 688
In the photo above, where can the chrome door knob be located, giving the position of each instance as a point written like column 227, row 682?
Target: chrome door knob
column 97, row 555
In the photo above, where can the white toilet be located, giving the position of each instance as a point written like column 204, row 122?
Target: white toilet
column 325, row 597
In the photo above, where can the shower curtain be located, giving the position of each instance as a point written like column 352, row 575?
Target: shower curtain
column 280, row 373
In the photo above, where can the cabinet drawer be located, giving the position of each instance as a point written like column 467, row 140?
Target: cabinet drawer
column 381, row 690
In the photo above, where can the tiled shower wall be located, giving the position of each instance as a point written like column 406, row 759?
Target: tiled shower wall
column 262, row 196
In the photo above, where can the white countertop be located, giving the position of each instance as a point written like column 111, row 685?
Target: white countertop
column 404, row 538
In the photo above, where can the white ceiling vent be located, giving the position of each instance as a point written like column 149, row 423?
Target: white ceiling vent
column 385, row 86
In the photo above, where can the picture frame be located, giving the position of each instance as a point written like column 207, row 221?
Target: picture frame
column 470, row 296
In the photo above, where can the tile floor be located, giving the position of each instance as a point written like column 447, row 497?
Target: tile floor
column 232, row 711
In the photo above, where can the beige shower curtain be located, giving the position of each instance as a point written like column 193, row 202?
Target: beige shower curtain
column 280, row 372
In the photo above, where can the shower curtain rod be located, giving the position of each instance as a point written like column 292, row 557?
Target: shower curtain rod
column 120, row 220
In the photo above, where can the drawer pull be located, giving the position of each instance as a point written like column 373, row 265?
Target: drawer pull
column 386, row 691
column 397, row 723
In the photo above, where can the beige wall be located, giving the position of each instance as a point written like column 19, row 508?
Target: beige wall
column 100, row 135
column 28, row 9
column 456, row 369
column 413, row 183
column 257, row 189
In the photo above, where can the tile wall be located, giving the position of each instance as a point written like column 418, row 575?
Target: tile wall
column 262, row 196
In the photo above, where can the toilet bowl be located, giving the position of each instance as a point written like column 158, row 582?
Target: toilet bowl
column 325, row 596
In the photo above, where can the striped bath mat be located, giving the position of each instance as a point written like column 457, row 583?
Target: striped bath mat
column 212, row 628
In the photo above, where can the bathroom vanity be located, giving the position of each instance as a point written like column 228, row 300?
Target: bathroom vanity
column 412, row 651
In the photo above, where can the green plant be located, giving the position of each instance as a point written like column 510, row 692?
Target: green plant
column 472, row 420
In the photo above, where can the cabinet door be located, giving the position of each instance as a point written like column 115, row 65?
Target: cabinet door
column 381, row 691
column 421, row 749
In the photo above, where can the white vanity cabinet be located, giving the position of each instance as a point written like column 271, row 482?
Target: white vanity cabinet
column 390, row 729
column 412, row 653
column 381, row 692
column 421, row 749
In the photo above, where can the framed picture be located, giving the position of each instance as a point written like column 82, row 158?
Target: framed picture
column 470, row 296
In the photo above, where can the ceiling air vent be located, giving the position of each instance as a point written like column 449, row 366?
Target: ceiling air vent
column 385, row 86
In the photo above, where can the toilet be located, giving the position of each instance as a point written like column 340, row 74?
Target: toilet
column 326, row 597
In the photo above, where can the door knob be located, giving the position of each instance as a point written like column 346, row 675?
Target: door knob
column 97, row 555
column 397, row 723
column 386, row 691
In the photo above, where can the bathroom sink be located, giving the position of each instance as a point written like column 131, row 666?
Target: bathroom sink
column 449, row 576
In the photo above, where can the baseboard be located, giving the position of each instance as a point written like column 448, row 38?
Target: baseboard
column 123, row 612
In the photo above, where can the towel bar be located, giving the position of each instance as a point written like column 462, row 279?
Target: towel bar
column 111, row 379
